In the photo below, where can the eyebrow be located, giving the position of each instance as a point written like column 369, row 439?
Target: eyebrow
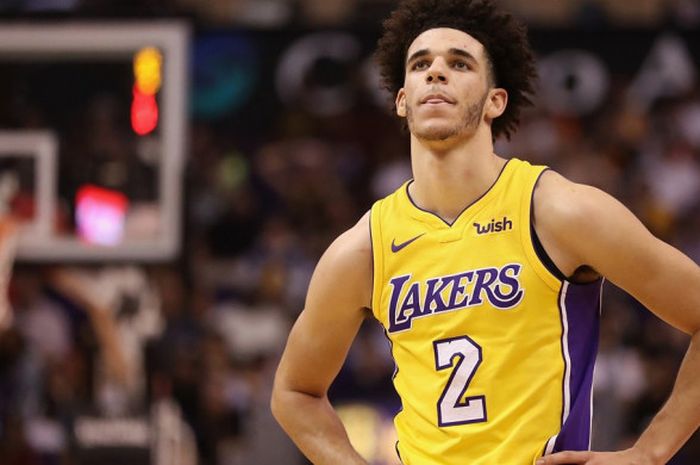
column 453, row 51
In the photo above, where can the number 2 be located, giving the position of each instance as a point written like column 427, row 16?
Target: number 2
column 451, row 410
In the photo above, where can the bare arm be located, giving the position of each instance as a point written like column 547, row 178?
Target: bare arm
column 582, row 225
column 336, row 304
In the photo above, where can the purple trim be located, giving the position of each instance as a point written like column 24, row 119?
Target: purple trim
column 563, row 356
column 582, row 302
column 396, row 365
column 393, row 377
column 398, row 454
column 456, row 367
column 408, row 194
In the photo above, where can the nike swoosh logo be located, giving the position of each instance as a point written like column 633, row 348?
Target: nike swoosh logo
column 396, row 247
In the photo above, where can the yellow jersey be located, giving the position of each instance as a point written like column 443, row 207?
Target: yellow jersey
column 494, row 352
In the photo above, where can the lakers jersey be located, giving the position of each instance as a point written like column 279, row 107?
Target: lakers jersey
column 494, row 354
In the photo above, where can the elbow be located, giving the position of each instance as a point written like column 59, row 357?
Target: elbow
column 277, row 403
column 286, row 403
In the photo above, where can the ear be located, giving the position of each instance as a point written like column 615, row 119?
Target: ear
column 401, row 103
column 496, row 103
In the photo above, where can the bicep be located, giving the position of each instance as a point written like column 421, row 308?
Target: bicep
column 315, row 352
column 608, row 237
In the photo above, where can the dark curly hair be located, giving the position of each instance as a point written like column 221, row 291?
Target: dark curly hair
column 511, row 60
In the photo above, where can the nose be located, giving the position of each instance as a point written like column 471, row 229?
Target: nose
column 436, row 72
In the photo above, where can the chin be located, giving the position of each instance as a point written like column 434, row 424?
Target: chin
column 435, row 133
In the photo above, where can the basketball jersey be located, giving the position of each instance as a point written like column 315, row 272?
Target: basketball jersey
column 494, row 354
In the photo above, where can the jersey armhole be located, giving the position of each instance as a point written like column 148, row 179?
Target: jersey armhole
column 535, row 252
column 541, row 252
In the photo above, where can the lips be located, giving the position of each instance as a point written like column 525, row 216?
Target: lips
column 433, row 99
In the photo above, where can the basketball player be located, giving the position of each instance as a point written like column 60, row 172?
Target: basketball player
column 485, row 273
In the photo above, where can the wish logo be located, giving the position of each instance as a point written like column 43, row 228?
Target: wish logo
column 494, row 226
column 500, row 287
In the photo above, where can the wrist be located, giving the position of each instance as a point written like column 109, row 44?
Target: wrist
column 648, row 455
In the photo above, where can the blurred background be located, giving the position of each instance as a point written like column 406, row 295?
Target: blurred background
column 175, row 168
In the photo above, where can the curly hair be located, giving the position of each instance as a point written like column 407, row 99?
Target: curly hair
column 510, row 57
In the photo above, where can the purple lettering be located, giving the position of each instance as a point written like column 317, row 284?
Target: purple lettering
column 397, row 285
column 433, row 298
column 410, row 302
column 512, row 298
column 500, row 286
column 458, row 288
column 507, row 224
column 485, row 277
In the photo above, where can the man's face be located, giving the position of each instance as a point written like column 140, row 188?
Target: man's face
column 446, row 85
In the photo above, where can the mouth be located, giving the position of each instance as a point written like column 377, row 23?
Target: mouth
column 437, row 99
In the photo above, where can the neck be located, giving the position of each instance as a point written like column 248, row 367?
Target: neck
column 450, row 175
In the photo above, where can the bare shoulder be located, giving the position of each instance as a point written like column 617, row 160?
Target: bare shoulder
column 583, row 225
column 565, row 207
column 346, row 266
column 560, row 199
column 355, row 243
column 351, row 252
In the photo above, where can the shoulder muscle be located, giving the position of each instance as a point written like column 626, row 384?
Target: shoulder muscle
column 592, row 228
column 345, row 269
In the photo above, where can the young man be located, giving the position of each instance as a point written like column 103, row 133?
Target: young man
column 485, row 273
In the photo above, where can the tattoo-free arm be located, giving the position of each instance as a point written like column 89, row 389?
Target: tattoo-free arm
column 335, row 307
column 591, row 228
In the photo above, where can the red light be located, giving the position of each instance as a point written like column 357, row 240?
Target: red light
column 144, row 112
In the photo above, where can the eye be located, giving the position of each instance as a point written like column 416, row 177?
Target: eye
column 460, row 65
column 420, row 65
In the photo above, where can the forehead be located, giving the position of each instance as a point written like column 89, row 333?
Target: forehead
column 441, row 39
